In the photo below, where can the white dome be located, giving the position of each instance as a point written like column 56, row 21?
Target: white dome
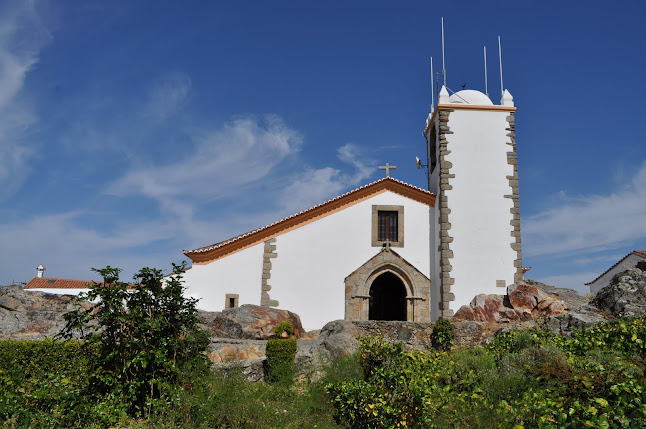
column 470, row 96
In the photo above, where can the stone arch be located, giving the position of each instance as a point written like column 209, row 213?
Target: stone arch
column 358, row 284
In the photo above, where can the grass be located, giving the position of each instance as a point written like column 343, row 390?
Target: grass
column 231, row 402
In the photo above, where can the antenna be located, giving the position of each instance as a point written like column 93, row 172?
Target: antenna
column 502, row 88
column 418, row 163
column 443, row 64
column 432, row 93
column 485, row 65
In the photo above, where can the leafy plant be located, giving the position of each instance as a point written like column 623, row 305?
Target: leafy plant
column 442, row 335
column 146, row 333
column 280, row 354
column 284, row 326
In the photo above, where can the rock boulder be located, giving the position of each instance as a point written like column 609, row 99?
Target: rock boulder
column 251, row 322
column 523, row 302
column 32, row 315
column 625, row 296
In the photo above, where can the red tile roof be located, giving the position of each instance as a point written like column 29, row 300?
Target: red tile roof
column 640, row 253
column 52, row 283
column 217, row 250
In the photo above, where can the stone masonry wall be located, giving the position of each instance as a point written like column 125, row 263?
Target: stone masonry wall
column 269, row 253
column 512, row 159
column 444, row 248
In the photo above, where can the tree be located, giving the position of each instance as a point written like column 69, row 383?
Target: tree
column 142, row 337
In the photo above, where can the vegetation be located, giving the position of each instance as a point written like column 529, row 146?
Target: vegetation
column 45, row 398
column 525, row 378
column 442, row 335
column 280, row 354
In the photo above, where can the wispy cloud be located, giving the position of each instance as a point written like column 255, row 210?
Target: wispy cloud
column 314, row 186
column 56, row 240
column 22, row 34
column 242, row 151
column 589, row 223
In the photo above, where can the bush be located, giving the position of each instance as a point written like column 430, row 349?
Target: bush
column 280, row 359
column 283, row 326
column 145, row 334
column 40, row 382
column 442, row 335
column 524, row 378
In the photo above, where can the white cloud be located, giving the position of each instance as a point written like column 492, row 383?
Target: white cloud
column 590, row 222
column 241, row 152
column 315, row 186
column 69, row 251
column 22, row 34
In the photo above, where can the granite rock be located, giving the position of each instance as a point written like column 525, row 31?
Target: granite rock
column 248, row 321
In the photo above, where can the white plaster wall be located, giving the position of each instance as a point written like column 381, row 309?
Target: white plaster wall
column 238, row 273
column 480, row 214
column 603, row 281
column 58, row 291
column 313, row 261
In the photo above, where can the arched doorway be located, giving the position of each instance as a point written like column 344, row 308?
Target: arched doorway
column 387, row 298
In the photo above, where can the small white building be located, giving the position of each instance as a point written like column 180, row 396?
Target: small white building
column 628, row 261
column 363, row 255
column 58, row 286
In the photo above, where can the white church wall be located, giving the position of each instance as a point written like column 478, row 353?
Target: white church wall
column 480, row 215
column 239, row 273
column 313, row 261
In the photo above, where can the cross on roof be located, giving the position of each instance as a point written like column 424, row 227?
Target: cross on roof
column 387, row 167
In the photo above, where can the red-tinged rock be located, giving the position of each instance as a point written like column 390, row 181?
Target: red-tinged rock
column 248, row 321
column 524, row 296
column 551, row 306
column 483, row 308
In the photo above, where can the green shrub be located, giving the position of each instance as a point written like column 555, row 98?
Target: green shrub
column 40, row 382
column 442, row 335
column 624, row 335
column 375, row 353
column 146, row 334
column 283, row 326
column 280, row 359
column 525, row 378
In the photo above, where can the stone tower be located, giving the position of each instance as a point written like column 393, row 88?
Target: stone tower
column 475, row 226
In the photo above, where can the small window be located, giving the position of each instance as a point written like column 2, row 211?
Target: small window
column 387, row 229
column 387, row 226
column 231, row 300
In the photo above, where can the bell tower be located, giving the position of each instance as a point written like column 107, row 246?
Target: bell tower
column 475, row 226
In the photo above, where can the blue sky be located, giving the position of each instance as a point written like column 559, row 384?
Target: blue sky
column 130, row 130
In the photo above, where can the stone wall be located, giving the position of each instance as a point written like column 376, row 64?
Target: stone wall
column 512, row 160
column 444, row 248
column 268, row 255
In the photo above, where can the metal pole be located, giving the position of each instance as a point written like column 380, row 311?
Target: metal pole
column 485, row 65
column 502, row 88
column 443, row 64
column 432, row 93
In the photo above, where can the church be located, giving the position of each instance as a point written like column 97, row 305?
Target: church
column 388, row 250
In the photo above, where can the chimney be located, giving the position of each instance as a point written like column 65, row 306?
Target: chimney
column 40, row 270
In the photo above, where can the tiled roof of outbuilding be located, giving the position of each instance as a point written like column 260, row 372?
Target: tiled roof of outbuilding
column 53, row 283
